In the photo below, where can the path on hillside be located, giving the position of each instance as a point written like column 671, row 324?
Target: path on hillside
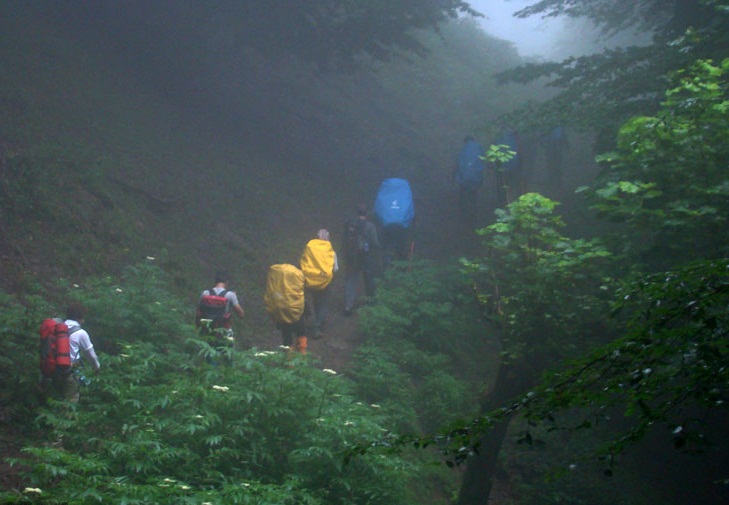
column 438, row 236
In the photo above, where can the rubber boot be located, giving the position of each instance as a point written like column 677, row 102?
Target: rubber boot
column 302, row 344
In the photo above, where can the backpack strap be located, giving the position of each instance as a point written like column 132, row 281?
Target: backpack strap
column 73, row 329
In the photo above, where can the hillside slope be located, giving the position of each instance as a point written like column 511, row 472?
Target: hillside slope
column 101, row 167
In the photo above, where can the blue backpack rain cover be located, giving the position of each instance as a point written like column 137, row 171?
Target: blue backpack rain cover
column 470, row 165
column 394, row 203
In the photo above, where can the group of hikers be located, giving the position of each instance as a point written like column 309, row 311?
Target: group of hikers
column 510, row 175
column 298, row 297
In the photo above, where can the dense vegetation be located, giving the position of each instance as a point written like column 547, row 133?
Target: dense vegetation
column 604, row 354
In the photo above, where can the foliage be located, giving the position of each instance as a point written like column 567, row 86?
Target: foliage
column 668, row 370
column 428, row 306
column 19, row 372
column 425, row 339
column 163, row 423
column 143, row 305
column 543, row 289
column 666, row 181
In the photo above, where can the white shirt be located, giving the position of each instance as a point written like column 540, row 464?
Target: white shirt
column 79, row 341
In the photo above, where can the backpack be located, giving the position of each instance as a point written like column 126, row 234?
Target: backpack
column 55, row 348
column 394, row 203
column 317, row 264
column 284, row 296
column 214, row 307
column 470, row 165
column 355, row 241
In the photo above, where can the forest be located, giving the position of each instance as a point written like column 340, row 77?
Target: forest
column 565, row 344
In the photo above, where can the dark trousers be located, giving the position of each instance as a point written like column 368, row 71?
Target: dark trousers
column 394, row 240
column 291, row 330
column 364, row 266
column 317, row 307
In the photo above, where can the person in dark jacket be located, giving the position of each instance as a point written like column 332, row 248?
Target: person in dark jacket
column 361, row 251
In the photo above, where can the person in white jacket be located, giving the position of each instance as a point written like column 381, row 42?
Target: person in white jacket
column 81, row 349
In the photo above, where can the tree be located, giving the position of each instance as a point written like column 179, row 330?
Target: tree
column 600, row 92
column 332, row 34
column 544, row 290
column 667, row 177
column 666, row 180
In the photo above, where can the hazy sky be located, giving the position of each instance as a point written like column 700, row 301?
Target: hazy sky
column 532, row 37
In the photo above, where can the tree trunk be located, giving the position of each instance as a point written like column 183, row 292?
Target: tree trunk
column 478, row 479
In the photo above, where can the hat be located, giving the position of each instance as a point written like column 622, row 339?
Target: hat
column 322, row 234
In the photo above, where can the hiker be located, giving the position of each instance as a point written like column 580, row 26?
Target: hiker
column 215, row 308
column 361, row 246
column 68, row 385
column 468, row 176
column 395, row 212
column 284, row 301
column 555, row 145
column 319, row 264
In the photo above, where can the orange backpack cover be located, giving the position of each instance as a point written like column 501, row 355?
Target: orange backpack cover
column 55, row 348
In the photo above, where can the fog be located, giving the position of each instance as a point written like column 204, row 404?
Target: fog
column 553, row 38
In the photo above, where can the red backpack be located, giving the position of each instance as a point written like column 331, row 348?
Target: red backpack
column 214, row 307
column 55, row 348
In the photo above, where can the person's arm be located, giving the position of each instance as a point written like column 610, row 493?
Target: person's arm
column 235, row 305
column 94, row 359
column 87, row 348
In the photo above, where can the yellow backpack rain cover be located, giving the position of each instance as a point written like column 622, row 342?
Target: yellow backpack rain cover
column 317, row 263
column 284, row 297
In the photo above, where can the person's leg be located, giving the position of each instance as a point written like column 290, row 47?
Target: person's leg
column 369, row 275
column 286, row 331
column 321, row 304
column 351, row 277
column 388, row 240
column 69, row 388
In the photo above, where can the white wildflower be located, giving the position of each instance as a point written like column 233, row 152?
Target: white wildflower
column 32, row 490
column 119, row 290
column 198, row 416
column 75, row 286
column 375, row 406
column 221, row 388
column 230, row 338
column 123, row 355
column 151, row 258
column 329, row 371
column 185, row 488
column 167, row 479
column 349, row 423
